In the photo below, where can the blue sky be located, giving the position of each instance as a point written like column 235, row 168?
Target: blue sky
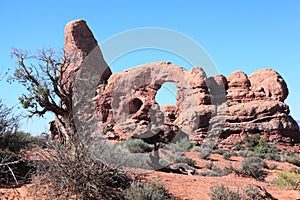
column 238, row 35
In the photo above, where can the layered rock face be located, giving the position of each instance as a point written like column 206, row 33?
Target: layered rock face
column 256, row 105
column 215, row 106
column 125, row 103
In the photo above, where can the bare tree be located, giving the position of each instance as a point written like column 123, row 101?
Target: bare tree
column 48, row 81
column 8, row 122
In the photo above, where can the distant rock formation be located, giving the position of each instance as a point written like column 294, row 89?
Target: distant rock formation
column 227, row 108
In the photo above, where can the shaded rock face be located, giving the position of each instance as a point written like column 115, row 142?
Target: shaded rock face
column 125, row 103
column 86, row 70
column 81, row 44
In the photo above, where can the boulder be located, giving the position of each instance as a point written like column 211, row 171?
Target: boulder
column 238, row 88
column 268, row 84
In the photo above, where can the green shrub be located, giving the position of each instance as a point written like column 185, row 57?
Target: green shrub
column 219, row 151
column 263, row 148
column 246, row 154
column 229, row 170
column 239, row 147
column 290, row 180
column 291, row 158
column 205, row 153
column 272, row 156
column 221, row 192
column 210, row 144
column 182, row 145
column 210, row 174
column 153, row 190
column 254, row 167
column 251, row 141
column 136, row 146
column 217, row 169
column 15, row 141
column 195, row 148
column 183, row 159
column 209, row 165
column 227, row 155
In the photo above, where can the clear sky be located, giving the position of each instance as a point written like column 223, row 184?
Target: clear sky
column 238, row 35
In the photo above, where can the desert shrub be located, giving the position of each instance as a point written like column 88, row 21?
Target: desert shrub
column 251, row 141
column 13, row 170
column 253, row 192
column 182, row 145
column 263, row 148
column 153, row 190
column 291, row 158
column 210, row 174
column 209, row 165
column 195, row 148
column 254, row 167
column 136, row 146
column 272, row 156
column 246, row 154
column 183, row 159
column 239, row 147
column 295, row 170
column 227, row 155
column 15, row 141
column 290, row 180
column 211, row 144
column 74, row 172
column 219, row 151
column 229, row 170
column 217, row 169
column 39, row 140
column 221, row 192
column 140, row 160
column 272, row 166
column 205, row 153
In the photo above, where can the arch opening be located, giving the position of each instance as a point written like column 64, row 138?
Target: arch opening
column 135, row 105
column 166, row 95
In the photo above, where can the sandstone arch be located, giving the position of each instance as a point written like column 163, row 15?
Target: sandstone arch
column 142, row 83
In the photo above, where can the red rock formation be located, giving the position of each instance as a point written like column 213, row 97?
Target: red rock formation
column 128, row 100
column 238, row 88
column 87, row 69
column 215, row 106
column 81, row 44
column 268, row 84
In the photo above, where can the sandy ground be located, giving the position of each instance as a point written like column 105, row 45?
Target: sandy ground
column 196, row 187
